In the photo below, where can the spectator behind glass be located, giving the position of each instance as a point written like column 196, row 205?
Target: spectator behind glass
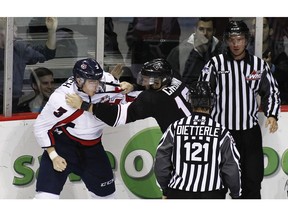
column 42, row 83
column 124, row 75
column 25, row 54
column 190, row 56
column 149, row 38
column 111, row 47
column 280, row 29
column 275, row 56
column 66, row 45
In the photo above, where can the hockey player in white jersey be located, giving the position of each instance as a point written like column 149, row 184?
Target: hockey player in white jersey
column 72, row 139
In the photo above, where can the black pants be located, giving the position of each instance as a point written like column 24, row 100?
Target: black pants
column 179, row 194
column 249, row 145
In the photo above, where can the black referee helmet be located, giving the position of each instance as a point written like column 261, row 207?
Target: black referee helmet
column 235, row 28
column 201, row 95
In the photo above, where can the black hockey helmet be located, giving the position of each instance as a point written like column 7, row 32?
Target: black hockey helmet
column 201, row 95
column 87, row 69
column 157, row 68
column 235, row 28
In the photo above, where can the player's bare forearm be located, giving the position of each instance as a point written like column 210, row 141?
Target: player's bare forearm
column 50, row 149
column 51, row 24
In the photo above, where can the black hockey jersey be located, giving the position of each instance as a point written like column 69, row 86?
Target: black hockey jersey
column 166, row 106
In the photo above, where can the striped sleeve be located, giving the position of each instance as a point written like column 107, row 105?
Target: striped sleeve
column 163, row 163
column 269, row 92
column 230, row 171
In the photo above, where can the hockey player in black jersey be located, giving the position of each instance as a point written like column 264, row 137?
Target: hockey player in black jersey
column 165, row 98
column 197, row 157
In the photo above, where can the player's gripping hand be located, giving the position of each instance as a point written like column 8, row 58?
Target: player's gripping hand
column 74, row 100
column 126, row 87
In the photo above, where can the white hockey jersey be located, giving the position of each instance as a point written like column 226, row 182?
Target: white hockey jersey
column 79, row 125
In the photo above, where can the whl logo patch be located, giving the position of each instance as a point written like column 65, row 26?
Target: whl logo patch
column 254, row 75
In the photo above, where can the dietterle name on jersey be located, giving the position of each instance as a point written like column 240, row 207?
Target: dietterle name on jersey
column 197, row 130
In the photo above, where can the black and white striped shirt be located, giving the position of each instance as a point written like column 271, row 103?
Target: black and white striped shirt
column 237, row 84
column 197, row 154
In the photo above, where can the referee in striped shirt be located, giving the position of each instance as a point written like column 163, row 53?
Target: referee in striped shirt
column 197, row 157
column 237, row 78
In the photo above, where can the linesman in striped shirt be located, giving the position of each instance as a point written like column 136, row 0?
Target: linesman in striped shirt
column 197, row 158
column 237, row 78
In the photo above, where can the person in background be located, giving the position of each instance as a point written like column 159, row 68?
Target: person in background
column 71, row 139
column 237, row 78
column 111, row 46
column 66, row 46
column 149, row 38
column 25, row 54
column 275, row 56
column 125, row 74
column 42, row 82
column 197, row 157
column 188, row 59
